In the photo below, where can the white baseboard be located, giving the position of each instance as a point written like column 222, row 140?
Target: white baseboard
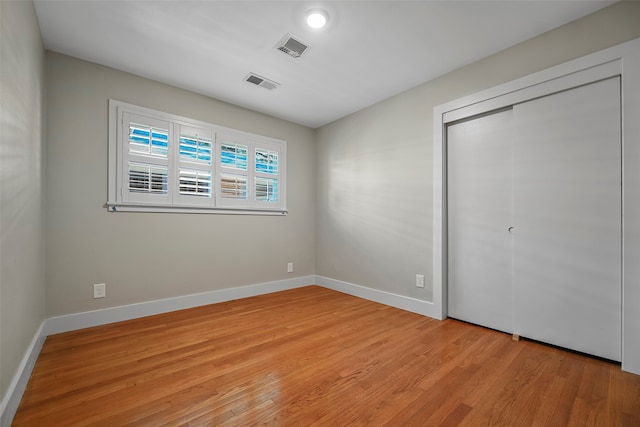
column 88, row 319
column 394, row 300
column 11, row 399
column 72, row 322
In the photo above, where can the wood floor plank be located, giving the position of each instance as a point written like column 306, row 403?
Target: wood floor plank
column 316, row 357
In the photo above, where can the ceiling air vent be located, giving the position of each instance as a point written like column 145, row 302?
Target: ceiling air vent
column 292, row 46
column 261, row 81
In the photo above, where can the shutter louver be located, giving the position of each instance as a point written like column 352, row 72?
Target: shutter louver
column 267, row 161
column 266, row 189
column 195, row 183
column 145, row 178
column 233, row 187
column 196, row 149
column 148, row 140
column 233, row 156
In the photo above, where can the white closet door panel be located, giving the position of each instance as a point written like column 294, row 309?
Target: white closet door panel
column 479, row 205
column 567, row 208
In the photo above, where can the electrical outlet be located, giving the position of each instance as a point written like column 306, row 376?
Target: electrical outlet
column 290, row 267
column 100, row 290
column 420, row 280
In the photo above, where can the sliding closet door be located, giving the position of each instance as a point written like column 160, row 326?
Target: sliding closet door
column 567, row 180
column 479, row 193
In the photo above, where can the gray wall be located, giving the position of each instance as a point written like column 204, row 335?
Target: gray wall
column 21, row 197
column 148, row 256
column 374, row 168
column 359, row 189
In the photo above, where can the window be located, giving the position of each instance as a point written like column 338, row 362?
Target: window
column 165, row 163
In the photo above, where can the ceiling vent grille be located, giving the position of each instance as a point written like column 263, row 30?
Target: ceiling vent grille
column 292, row 46
column 261, row 81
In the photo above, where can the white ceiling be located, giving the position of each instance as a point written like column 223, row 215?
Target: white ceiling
column 369, row 51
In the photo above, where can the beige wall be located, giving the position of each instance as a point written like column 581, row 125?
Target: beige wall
column 21, row 197
column 374, row 168
column 148, row 256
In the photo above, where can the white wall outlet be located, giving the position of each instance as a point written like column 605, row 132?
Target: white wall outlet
column 100, row 290
column 420, row 280
column 290, row 267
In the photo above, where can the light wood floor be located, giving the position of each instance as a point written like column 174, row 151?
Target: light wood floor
column 312, row 356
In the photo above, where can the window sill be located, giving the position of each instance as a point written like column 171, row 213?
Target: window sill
column 133, row 207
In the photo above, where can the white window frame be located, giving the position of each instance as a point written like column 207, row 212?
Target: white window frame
column 120, row 199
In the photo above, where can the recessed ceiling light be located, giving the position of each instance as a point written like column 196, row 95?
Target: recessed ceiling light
column 317, row 19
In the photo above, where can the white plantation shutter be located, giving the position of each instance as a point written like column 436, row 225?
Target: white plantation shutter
column 267, row 178
column 145, row 159
column 250, row 171
column 159, row 162
column 233, row 170
column 195, row 166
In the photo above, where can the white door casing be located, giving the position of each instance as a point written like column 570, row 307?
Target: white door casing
column 549, row 171
column 624, row 60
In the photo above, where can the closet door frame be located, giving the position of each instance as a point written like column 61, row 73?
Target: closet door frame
column 621, row 60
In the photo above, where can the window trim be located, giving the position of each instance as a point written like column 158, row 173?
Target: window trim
column 118, row 157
